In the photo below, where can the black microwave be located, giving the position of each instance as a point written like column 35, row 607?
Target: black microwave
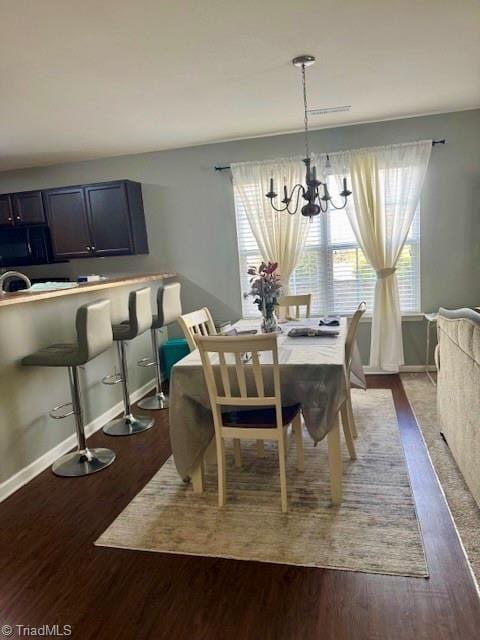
column 24, row 246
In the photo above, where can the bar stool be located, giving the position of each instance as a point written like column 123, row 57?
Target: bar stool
column 94, row 336
column 139, row 321
column 169, row 308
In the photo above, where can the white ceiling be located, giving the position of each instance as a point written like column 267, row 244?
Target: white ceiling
column 90, row 78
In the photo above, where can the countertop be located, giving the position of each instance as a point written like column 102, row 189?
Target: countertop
column 23, row 297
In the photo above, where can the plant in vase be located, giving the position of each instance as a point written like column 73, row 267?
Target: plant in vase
column 265, row 288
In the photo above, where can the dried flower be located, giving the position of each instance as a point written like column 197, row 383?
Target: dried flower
column 265, row 284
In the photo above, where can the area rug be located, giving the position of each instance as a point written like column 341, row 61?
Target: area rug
column 375, row 530
column 465, row 512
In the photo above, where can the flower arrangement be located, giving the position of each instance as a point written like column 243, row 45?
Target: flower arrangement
column 265, row 288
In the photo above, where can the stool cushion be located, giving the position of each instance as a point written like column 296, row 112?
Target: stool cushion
column 124, row 331
column 56, row 355
column 156, row 322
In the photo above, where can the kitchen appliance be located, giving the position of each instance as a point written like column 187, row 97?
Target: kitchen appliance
column 24, row 246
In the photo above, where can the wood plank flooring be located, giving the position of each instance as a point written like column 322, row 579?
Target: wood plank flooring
column 52, row 574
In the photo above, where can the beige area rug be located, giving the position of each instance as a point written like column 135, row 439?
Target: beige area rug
column 375, row 530
column 466, row 514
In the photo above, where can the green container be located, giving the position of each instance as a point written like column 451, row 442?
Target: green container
column 171, row 352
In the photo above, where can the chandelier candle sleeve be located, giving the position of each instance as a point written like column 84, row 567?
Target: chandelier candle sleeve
column 315, row 203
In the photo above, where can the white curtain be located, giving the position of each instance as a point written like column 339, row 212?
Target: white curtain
column 386, row 183
column 280, row 236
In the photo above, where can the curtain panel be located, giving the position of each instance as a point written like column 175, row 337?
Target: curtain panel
column 280, row 236
column 386, row 185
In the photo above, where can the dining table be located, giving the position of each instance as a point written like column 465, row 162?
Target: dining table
column 312, row 373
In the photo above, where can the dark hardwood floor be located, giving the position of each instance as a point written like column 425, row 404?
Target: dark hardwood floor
column 51, row 573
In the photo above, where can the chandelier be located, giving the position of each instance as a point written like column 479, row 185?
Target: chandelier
column 316, row 202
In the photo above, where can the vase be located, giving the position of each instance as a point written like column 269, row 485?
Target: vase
column 269, row 319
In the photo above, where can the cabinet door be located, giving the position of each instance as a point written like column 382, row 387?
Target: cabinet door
column 109, row 219
column 28, row 208
column 67, row 220
column 6, row 213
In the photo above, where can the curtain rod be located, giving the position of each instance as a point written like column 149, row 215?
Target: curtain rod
column 226, row 167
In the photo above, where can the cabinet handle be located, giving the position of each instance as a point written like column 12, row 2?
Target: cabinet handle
column 92, row 248
column 88, row 248
column 9, row 219
column 19, row 218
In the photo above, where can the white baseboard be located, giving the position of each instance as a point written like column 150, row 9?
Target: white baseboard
column 406, row 368
column 29, row 472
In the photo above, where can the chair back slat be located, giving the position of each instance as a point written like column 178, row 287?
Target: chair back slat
column 352, row 333
column 251, row 377
column 224, row 375
column 241, row 380
column 257, row 374
column 197, row 323
column 297, row 301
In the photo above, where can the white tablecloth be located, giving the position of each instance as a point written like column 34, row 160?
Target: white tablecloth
column 312, row 372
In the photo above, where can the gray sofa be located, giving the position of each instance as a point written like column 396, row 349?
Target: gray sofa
column 458, row 390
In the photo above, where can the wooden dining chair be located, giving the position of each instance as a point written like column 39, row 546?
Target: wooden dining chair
column 347, row 412
column 197, row 323
column 236, row 383
column 302, row 300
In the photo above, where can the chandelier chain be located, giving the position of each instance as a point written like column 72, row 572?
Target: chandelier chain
column 305, row 111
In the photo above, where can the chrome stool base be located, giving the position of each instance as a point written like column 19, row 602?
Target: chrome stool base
column 154, row 403
column 128, row 425
column 83, row 463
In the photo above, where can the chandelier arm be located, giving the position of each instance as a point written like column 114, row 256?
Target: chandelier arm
column 320, row 202
column 345, row 201
column 299, row 188
column 279, row 210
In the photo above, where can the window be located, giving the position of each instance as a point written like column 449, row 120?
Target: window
column 333, row 267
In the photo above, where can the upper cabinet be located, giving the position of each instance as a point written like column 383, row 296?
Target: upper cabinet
column 19, row 209
column 28, row 208
column 95, row 220
column 85, row 221
column 6, row 211
column 109, row 219
column 67, row 220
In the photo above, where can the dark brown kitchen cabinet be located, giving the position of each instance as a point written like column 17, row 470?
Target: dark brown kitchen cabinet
column 109, row 220
column 96, row 220
column 6, row 212
column 67, row 220
column 28, row 208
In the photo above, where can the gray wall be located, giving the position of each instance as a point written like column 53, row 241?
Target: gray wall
column 191, row 223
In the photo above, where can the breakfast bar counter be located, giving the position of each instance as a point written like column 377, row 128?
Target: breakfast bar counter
column 30, row 440
column 24, row 296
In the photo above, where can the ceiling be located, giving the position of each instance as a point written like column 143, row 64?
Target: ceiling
column 85, row 79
